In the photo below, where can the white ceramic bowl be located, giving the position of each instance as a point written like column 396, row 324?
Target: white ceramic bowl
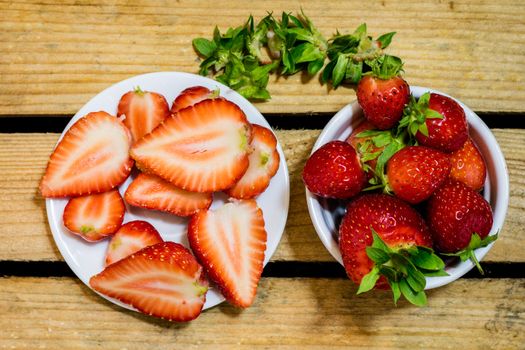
column 326, row 214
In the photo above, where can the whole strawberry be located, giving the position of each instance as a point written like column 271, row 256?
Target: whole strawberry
column 334, row 171
column 468, row 166
column 383, row 94
column 460, row 220
column 383, row 238
column 436, row 121
column 415, row 172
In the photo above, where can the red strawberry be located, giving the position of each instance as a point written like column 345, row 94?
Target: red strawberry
column 192, row 95
column 468, row 166
column 230, row 243
column 163, row 280
column 152, row 192
column 203, row 148
column 382, row 236
column 436, row 121
column 96, row 216
column 130, row 238
column 460, row 220
column 415, row 172
column 92, row 157
column 264, row 162
column 383, row 100
column 143, row 111
column 334, row 171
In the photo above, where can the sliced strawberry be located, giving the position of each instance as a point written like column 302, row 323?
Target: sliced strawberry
column 191, row 96
column 152, row 192
column 264, row 162
column 94, row 217
column 203, row 148
column 468, row 166
column 92, row 157
column 230, row 243
column 130, row 238
column 163, row 280
column 144, row 110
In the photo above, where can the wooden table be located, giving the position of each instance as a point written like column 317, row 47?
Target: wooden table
column 56, row 56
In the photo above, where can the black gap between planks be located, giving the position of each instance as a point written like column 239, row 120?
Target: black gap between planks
column 274, row 269
column 312, row 121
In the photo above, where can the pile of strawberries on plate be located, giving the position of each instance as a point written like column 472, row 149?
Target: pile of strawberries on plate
column 412, row 176
column 202, row 145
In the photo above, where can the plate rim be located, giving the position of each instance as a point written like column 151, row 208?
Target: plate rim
column 224, row 92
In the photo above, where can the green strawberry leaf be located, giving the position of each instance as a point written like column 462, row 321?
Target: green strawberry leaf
column 204, row 47
column 386, row 39
column 339, row 70
column 427, row 260
column 396, row 292
column 415, row 278
column 369, row 281
column 416, row 298
column 432, row 114
column 378, row 256
column 378, row 243
column 315, row 66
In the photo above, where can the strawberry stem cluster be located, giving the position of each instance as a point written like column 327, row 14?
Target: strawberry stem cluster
column 244, row 56
column 404, row 268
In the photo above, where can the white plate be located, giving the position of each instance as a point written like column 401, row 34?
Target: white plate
column 87, row 259
column 327, row 214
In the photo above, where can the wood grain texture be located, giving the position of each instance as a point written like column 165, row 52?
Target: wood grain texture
column 56, row 56
column 25, row 234
column 287, row 314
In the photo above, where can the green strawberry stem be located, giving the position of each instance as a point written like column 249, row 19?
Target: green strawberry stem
column 469, row 252
column 404, row 267
column 138, row 90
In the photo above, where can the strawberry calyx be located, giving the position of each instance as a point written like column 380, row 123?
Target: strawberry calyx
column 404, row 267
column 415, row 115
column 475, row 243
column 386, row 67
column 390, row 142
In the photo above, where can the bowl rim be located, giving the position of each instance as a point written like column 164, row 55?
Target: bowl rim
column 340, row 121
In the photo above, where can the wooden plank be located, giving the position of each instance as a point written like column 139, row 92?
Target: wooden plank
column 26, row 235
column 287, row 314
column 56, row 56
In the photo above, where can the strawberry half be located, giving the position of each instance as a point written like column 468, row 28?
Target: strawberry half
column 384, row 239
column 163, row 280
column 96, row 216
column 92, row 157
column 334, row 171
column 143, row 111
column 264, row 162
column 192, row 95
column 203, row 148
column 230, row 243
column 415, row 172
column 460, row 220
column 130, row 238
column 468, row 166
column 152, row 192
